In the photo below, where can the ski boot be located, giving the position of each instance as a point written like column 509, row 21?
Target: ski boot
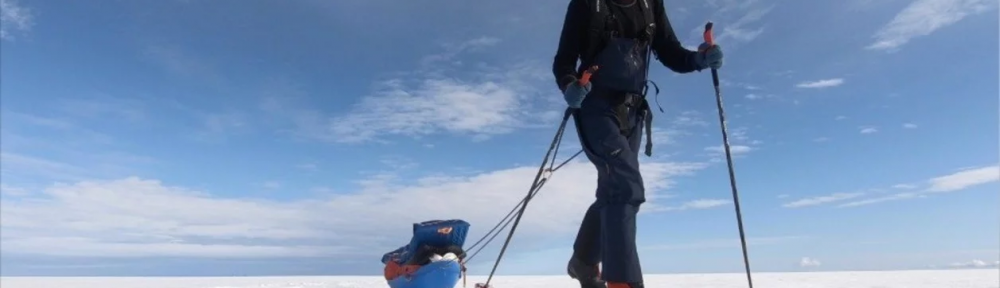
column 624, row 285
column 588, row 275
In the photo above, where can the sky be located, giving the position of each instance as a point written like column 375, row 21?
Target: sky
column 305, row 137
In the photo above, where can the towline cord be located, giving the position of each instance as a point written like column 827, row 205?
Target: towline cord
column 542, row 177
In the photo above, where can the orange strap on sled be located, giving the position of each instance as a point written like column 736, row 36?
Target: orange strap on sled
column 393, row 270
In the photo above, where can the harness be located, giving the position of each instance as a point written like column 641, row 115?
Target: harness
column 601, row 32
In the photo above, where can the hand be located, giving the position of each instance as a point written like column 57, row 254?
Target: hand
column 708, row 56
column 575, row 93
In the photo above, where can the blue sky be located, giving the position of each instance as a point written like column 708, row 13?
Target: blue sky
column 304, row 137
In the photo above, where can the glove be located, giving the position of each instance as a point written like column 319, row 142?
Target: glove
column 708, row 56
column 575, row 93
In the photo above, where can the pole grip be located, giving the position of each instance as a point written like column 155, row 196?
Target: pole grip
column 585, row 78
column 711, row 42
column 708, row 34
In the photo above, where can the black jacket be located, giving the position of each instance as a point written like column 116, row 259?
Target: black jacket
column 573, row 41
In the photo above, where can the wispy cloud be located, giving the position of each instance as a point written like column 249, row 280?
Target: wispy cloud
column 824, row 83
column 479, row 101
column 733, row 149
column 964, row 179
column 740, row 30
column 454, row 49
column 725, row 243
column 14, row 17
column 695, row 205
column 867, row 129
column 28, row 166
column 910, row 126
column 689, row 118
column 738, row 20
column 85, row 218
column 923, row 17
column 880, row 199
column 819, row 200
column 948, row 183
column 809, row 262
column 976, row 263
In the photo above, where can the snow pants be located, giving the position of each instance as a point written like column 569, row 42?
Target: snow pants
column 607, row 233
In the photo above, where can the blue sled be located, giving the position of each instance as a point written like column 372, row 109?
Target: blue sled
column 441, row 274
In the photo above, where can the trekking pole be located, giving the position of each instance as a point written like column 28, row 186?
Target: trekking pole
column 729, row 157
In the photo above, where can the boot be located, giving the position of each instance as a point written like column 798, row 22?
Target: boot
column 624, row 285
column 588, row 275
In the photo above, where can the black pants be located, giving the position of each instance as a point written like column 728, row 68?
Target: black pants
column 607, row 234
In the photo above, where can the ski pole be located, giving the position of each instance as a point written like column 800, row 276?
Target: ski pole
column 729, row 157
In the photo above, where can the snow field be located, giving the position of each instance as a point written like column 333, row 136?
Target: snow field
column 970, row 278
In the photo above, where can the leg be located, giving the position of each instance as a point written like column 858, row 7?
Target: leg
column 583, row 266
column 620, row 191
column 587, row 248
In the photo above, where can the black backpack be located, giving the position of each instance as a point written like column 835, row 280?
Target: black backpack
column 600, row 20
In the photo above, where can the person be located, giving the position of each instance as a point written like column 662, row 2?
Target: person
column 615, row 37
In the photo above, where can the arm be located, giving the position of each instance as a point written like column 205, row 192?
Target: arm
column 668, row 49
column 571, row 43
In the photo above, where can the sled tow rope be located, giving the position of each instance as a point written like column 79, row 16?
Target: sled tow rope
column 514, row 216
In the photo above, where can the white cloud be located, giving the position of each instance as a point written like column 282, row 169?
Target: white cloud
column 135, row 217
column 910, row 126
column 738, row 30
column 964, row 179
column 753, row 96
column 923, row 17
column 893, row 197
column 12, row 191
column 27, row 166
column 809, row 262
column 724, row 243
column 664, row 136
column 734, row 149
column 948, row 183
column 868, row 130
column 454, row 49
column 738, row 21
column 976, row 263
column 689, row 118
column 696, row 205
column 841, row 117
column 825, row 83
column 435, row 105
column 477, row 101
column 819, row 200
column 14, row 17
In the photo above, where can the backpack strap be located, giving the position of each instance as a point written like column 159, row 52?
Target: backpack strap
column 647, row 14
column 597, row 32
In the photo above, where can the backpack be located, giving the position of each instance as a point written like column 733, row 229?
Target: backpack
column 601, row 19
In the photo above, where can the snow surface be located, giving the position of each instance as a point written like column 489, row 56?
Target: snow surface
column 971, row 278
